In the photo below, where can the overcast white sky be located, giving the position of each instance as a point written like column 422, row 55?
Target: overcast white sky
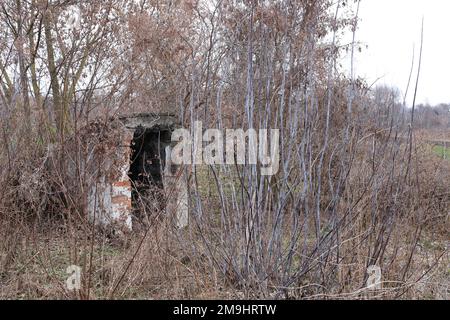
column 390, row 28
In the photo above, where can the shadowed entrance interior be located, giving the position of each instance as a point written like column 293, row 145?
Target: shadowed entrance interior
column 147, row 170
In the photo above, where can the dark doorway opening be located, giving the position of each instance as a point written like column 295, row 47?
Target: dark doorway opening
column 147, row 169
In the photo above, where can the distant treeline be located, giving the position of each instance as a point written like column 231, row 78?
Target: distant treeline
column 430, row 117
column 387, row 101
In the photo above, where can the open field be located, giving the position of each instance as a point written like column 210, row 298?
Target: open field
column 442, row 151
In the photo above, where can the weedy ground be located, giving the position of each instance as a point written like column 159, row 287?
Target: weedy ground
column 158, row 263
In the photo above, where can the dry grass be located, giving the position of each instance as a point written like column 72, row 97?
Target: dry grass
column 165, row 263
column 357, row 185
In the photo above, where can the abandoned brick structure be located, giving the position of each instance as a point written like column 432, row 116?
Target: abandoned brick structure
column 134, row 176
